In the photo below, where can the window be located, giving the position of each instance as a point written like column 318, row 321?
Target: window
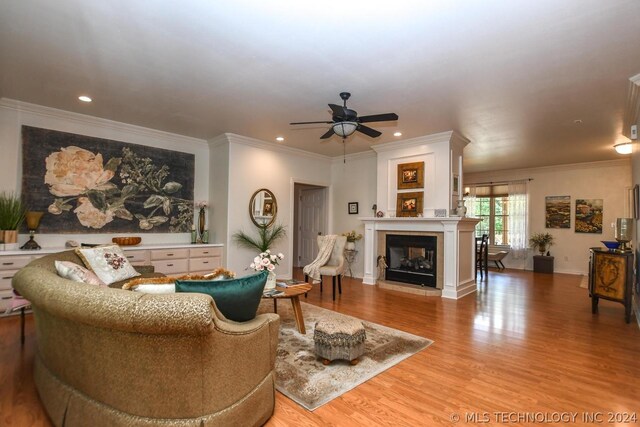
column 491, row 205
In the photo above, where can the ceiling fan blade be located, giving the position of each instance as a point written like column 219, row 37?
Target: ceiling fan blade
column 378, row 118
column 368, row 131
column 329, row 133
column 338, row 110
column 309, row 123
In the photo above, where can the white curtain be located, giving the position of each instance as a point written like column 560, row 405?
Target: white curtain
column 518, row 218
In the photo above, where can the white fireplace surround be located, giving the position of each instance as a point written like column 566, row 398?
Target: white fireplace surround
column 459, row 249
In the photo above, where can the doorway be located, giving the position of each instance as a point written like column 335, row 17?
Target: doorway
column 310, row 221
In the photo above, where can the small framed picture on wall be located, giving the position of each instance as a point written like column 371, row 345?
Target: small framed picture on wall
column 353, row 208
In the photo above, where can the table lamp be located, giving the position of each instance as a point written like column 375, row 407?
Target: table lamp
column 624, row 232
column 33, row 221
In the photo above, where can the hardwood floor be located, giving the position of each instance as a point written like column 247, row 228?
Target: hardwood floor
column 525, row 345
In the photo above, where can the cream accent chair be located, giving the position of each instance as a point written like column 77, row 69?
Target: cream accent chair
column 336, row 265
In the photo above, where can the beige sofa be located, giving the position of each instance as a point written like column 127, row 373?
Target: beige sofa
column 109, row 357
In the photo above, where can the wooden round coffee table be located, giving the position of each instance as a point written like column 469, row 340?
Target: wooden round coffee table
column 293, row 293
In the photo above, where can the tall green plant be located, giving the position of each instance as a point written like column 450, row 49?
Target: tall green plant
column 267, row 236
column 12, row 211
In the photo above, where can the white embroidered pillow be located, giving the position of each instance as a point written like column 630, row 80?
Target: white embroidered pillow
column 72, row 271
column 155, row 288
column 109, row 263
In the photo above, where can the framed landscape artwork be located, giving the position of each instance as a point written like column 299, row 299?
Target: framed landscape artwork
column 589, row 216
column 409, row 204
column 94, row 185
column 410, row 175
column 558, row 211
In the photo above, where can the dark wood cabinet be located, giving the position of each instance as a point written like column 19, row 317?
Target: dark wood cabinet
column 611, row 277
column 543, row 264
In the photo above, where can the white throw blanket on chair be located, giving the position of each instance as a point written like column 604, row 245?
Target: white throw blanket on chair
column 326, row 247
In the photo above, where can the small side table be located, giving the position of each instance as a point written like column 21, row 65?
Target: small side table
column 350, row 258
column 543, row 264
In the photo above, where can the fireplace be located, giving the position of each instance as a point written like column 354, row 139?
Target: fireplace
column 411, row 259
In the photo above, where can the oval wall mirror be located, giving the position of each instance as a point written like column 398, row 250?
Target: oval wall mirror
column 263, row 208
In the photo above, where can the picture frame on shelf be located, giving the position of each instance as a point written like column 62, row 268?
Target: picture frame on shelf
column 410, row 175
column 353, row 208
column 409, row 204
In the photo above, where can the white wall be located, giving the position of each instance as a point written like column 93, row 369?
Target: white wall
column 14, row 114
column 255, row 164
column 607, row 180
column 219, row 191
column 354, row 181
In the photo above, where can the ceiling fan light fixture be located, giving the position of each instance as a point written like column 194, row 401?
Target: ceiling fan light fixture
column 344, row 129
column 624, row 147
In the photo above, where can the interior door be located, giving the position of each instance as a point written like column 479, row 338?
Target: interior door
column 312, row 223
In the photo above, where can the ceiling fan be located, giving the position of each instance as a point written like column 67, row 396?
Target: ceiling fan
column 345, row 121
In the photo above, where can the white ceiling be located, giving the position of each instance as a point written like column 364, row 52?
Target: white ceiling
column 511, row 75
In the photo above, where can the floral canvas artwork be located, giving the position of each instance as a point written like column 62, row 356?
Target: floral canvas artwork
column 94, row 185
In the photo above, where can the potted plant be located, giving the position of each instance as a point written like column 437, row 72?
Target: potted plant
column 267, row 236
column 541, row 241
column 12, row 213
column 352, row 238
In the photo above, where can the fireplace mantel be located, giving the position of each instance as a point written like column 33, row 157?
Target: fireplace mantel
column 459, row 248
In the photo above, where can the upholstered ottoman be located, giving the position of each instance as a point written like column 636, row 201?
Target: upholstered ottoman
column 343, row 339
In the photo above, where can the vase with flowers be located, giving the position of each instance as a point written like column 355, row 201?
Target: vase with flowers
column 267, row 261
column 352, row 238
column 541, row 241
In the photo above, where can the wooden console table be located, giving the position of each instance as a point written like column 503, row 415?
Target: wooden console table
column 611, row 278
column 543, row 264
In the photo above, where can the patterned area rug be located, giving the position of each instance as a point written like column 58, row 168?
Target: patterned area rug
column 300, row 374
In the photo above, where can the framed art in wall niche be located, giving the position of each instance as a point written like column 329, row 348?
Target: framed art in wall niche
column 353, row 208
column 409, row 204
column 557, row 211
column 589, row 216
column 94, row 185
column 410, row 175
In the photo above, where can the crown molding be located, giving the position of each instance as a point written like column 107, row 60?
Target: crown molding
column 218, row 141
column 449, row 136
column 496, row 175
column 632, row 106
column 272, row 146
column 354, row 157
column 68, row 116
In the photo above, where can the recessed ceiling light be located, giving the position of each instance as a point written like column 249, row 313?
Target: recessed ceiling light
column 85, row 98
column 397, row 134
column 280, row 138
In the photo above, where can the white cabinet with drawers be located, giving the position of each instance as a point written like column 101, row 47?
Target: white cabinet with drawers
column 9, row 265
column 183, row 259
column 173, row 259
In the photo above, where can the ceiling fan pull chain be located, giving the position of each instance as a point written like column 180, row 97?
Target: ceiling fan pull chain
column 344, row 152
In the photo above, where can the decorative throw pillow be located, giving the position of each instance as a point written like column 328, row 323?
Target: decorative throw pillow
column 108, row 263
column 72, row 271
column 155, row 288
column 237, row 299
